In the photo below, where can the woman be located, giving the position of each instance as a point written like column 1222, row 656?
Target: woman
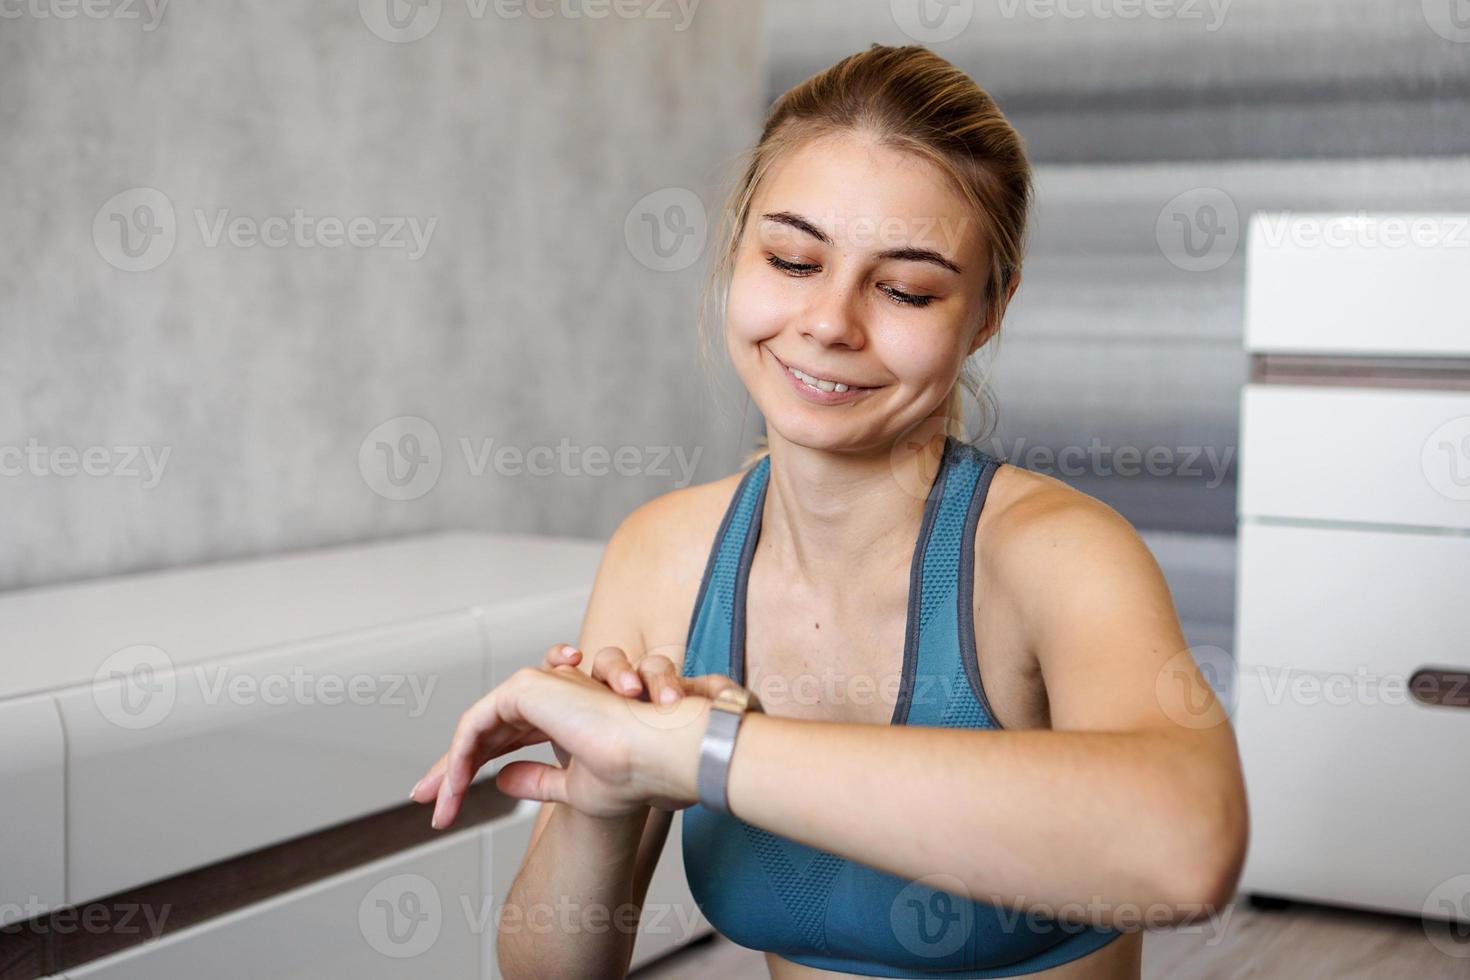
column 976, row 758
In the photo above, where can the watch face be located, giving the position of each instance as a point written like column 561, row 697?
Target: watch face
column 733, row 699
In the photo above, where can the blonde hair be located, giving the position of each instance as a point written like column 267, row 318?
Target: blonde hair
column 912, row 99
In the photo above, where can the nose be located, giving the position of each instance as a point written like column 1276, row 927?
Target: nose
column 833, row 318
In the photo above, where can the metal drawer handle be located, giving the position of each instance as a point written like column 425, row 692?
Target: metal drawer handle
column 1445, row 687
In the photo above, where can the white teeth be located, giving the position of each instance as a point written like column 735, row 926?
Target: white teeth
column 820, row 383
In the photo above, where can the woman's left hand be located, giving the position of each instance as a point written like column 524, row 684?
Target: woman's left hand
column 624, row 753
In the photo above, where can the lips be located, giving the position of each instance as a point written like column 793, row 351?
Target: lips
column 818, row 396
column 814, row 376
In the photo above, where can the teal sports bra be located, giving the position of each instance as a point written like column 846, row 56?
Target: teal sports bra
column 771, row 893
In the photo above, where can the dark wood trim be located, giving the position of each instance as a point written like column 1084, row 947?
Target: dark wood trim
column 1432, row 373
column 67, row 938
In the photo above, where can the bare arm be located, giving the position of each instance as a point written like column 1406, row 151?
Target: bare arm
column 573, row 908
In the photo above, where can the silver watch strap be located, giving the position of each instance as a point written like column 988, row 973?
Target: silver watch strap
column 714, row 758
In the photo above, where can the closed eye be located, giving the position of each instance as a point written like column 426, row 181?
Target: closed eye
column 807, row 268
column 795, row 268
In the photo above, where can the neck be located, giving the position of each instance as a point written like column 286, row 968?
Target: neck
column 832, row 516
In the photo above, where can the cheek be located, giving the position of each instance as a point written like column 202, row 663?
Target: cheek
column 917, row 354
column 757, row 308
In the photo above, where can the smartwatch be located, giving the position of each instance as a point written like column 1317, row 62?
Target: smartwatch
column 727, row 711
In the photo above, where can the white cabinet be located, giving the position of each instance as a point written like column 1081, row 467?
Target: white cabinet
column 1358, row 284
column 33, row 857
column 219, row 758
column 1357, row 455
column 1354, row 572
column 164, row 722
column 1359, row 793
column 406, row 917
column 1354, row 600
column 1355, row 800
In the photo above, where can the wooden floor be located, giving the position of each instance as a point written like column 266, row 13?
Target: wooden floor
column 1299, row 942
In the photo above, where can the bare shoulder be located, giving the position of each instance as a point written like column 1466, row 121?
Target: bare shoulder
column 1037, row 533
column 663, row 546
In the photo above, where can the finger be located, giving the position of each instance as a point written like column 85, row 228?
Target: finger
column 462, row 762
column 707, row 685
column 612, row 668
column 423, row 790
column 662, row 680
column 527, row 780
column 562, row 653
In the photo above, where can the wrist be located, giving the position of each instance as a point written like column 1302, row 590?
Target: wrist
column 666, row 755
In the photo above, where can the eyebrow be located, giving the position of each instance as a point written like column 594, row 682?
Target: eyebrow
column 906, row 253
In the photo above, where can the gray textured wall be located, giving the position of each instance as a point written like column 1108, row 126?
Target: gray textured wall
column 524, row 314
column 1116, row 339
column 1138, row 125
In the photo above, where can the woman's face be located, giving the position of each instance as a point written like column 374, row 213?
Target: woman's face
column 859, row 264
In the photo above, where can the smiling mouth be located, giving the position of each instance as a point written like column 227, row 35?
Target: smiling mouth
column 819, row 384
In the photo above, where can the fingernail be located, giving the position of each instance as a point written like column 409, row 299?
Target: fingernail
column 666, row 695
column 415, row 791
column 629, row 684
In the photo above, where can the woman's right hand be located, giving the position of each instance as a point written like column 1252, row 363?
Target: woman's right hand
column 656, row 676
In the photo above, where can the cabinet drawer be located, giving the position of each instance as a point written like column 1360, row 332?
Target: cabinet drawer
column 1355, row 454
column 173, row 769
column 1339, row 284
column 1354, row 802
column 33, row 857
column 1352, row 599
column 401, row 918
